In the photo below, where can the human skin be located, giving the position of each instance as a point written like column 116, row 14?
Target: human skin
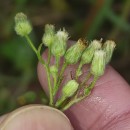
column 107, row 108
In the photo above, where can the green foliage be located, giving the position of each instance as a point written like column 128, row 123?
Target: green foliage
column 18, row 53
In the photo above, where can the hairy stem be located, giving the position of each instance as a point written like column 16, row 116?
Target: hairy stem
column 31, row 44
column 44, row 65
column 59, row 78
column 86, row 79
column 49, row 56
column 78, row 70
column 76, row 100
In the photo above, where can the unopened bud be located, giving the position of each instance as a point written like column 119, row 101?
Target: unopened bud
column 70, row 88
column 109, row 47
column 89, row 52
column 22, row 25
column 53, row 70
column 58, row 48
column 98, row 63
column 48, row 37
column 74, row 53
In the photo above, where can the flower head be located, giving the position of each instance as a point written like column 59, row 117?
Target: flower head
column 89, row 51
column 58, row 47
column 48, row 37
column 109, row 47
column 98, row 63
column 74, row 53
column 22, row 25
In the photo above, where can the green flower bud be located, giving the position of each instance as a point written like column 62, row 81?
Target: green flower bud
column 48, row 37
column 53, row 70
column 98, row 63
column 22, row 25
column 58, row 48
column 70, row 88
column 74, row 53
column 89, row 52
column 109, row 47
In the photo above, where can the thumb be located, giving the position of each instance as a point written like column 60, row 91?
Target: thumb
column 36, row 117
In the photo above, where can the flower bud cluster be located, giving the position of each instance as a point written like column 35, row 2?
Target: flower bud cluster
column 56, row 41
column 95, row 53
column 101, row 57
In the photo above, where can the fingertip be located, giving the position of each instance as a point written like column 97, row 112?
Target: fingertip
column 36, row 117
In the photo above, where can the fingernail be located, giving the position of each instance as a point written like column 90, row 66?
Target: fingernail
column 36, row 117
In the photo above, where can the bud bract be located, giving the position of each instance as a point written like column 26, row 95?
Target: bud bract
column 98, row 63
column 89, row 52
column 109, row 47
column 58, row 48
column 74, row 53
column 70, row 88
column 48, row 37
column 22, row 25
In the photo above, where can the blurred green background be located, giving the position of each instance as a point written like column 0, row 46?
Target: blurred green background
column 107, row 19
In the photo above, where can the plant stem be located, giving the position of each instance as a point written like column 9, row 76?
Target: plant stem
column 31, row 44
column 60, row 77
column 86, row 79
column 56, row 76
column 78, row 70
column 71, row 103
column 49, row 56
column 93, row 82
column 60, row 101
column 49, row 85
column 57, row 62
column 76, row 100
column 44, row 65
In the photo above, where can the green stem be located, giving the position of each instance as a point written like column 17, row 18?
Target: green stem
column 86, row 79
column 31, row 43
column 76, row 100
column 49, row 56
column 57, row 62
column 60, row 78
column 71, row 103
column 78, row 70
column 60, row 101
column 44, row 65
column 49, row 85
column 56, row 76
column 93, row 82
